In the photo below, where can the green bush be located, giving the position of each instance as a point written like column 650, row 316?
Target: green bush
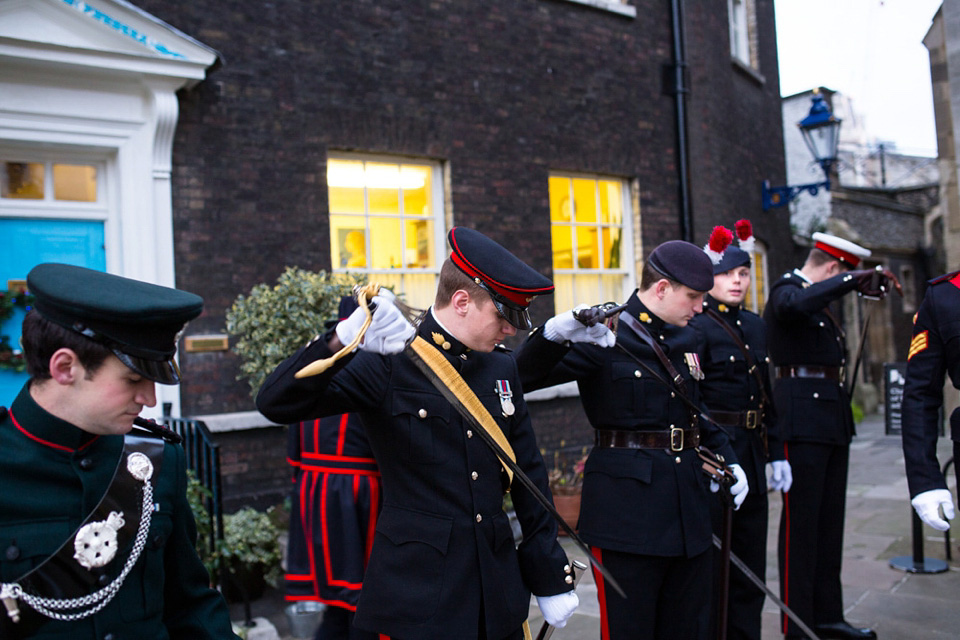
column 271, row 323
column 250, row 539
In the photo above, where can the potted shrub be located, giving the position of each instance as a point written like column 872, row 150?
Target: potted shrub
column 249, row 554
column 566, row 482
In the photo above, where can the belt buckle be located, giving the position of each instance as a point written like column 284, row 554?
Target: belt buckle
column 752, row 419
column 673, row 439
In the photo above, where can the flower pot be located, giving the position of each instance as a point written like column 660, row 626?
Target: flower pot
column 568, row 506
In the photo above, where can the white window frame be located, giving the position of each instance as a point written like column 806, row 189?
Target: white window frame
column 627, row 263
column 437, row 208
column 738, row 12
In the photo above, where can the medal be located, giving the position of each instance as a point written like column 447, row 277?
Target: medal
column 693, row 363
column 506, row 397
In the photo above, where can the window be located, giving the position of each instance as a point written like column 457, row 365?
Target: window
column 743, row 23
column 48, row 181
column 591, row 240
column 760, row 285
column 909, row 284
column 386, row 220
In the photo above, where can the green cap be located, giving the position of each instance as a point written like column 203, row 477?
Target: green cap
column 138, row 321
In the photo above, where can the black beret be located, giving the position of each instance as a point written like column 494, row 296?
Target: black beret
column 685, row 263
column 510, row 282
column 732, row 258
column 140, row 322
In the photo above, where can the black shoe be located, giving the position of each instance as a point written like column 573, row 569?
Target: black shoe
column 843, row 631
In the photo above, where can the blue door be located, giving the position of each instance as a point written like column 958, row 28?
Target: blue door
column 77, row 242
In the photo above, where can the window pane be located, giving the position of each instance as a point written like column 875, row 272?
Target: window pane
column 22, row 180
column 415, row 182
column 345, row 183
column 74, row 182
column 611, row 204
column 562, row 239
column 611, row 247
column 559, row 199
column 386, row 243
column 348, row 237
column 383, row 187
column 585, row 200
column 587, row 247
column 419, row 243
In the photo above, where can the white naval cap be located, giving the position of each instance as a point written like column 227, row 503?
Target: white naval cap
column 850, row 253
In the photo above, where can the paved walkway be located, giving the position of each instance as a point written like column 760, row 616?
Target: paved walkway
column 900, row 605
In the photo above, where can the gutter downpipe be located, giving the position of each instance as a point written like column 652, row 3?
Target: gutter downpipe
column 680, row 92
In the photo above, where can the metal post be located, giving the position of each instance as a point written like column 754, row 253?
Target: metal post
column 917, row 563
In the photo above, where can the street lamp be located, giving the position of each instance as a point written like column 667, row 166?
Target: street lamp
column 821, row 132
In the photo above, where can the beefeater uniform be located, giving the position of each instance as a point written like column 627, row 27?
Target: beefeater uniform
column 336, row 496
column 934, row 354
column 646, row 503
column 444, row 563
column 808, row 349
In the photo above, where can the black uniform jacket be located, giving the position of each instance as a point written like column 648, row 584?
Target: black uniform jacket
column 52, row 476
column 729, row 386
column 644, row 501
column 934, row 352
column 443, row 544
column 801, row 332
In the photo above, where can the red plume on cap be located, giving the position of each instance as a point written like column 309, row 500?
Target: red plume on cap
column 720, row 239
column 745, row 235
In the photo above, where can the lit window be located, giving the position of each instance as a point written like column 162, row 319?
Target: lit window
column 591, row 240
column 742, row 16
column 385, row 220
column 50, row 181
column 759, row 286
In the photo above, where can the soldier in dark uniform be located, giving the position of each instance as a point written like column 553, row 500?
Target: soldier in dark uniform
column 934, row 353
column 645, row 508
column 96, row 533
column 736, row 389
column 815, row 421
column 336, row 499
column 444, row 564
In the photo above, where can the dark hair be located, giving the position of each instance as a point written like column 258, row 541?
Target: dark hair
column 650, row 276
column 451, row 281
column 41, row 339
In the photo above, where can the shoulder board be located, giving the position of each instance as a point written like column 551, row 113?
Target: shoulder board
column 944, row 278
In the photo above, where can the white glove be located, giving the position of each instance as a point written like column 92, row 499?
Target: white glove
column 564, row 327
column 387, row 334
column 782, row 478
column 739, row 489
column 928, row 504
column 557, row 609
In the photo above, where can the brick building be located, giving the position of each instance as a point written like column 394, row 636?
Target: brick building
column 351, row 135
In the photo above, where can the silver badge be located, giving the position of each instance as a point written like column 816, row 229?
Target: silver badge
column 506, row 397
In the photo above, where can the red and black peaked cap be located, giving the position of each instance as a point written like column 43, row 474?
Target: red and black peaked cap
column 511, row 283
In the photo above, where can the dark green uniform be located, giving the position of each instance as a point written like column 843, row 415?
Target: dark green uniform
column 52, row 476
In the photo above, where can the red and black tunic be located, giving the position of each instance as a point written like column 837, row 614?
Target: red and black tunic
column 336, row 499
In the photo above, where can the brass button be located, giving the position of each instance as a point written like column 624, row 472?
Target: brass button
column 637, row 374
column 469, row 433
column 816, row 395
column 422, row 413
column 566, row 568
column 821, row 324
column 568, row 579
column 677, row 459
column 474, row 475
column 479, row 517
column 732, row 359
column 673, row 395
column 446, row 346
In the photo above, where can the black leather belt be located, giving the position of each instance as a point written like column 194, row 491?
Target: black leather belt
column 809, row 371
column 676, row 439
column 746, row 419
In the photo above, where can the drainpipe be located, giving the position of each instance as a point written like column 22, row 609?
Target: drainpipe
column 679, row 89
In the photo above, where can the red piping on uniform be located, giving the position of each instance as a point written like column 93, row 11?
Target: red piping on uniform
column 371, row 521
column 845, row 256
column 786, row 545
column 601, row 594
column 342, row 436
column 47, row 443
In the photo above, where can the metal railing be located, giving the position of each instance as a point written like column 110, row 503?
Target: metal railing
column 203, row 459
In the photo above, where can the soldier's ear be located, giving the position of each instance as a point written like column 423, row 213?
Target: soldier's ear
column 460, row 301
column 65, row 366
